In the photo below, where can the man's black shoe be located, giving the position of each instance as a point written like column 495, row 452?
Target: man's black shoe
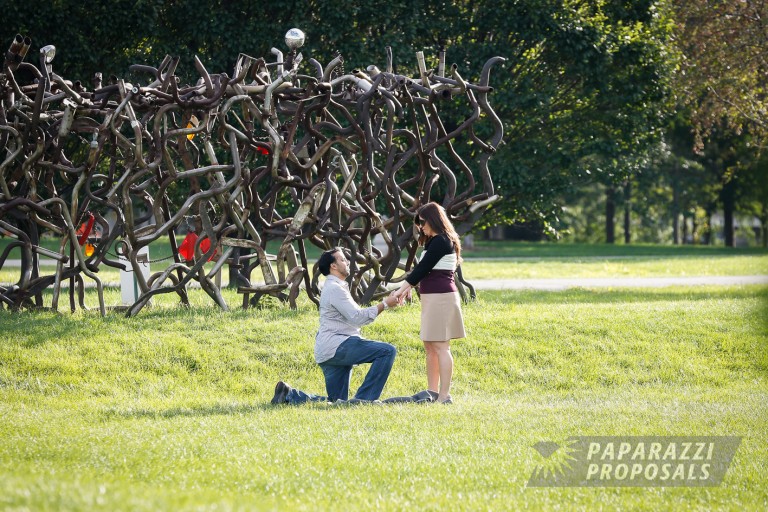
column 281, row 392
column 425, row 396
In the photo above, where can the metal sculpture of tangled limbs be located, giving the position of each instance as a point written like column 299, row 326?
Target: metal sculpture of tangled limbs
column 271, row 154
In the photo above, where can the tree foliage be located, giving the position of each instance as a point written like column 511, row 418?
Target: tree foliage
column 721, row 86
column 585, row 85
column 723, row 68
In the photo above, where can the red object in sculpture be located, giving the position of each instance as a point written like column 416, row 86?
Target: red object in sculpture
column 187, row 247
column 85, row 229
column 204, row 246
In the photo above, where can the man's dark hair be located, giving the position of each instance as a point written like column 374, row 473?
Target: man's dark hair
column 324, row 263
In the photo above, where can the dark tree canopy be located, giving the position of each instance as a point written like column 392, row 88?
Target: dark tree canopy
column 585, row 84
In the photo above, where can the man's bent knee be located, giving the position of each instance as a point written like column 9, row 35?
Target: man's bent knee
column 389, row 351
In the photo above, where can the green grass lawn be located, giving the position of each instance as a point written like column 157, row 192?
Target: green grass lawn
column 541, row 268
column 519, row 260
column 659, row 266
column 506, row 249
column 169, row 410
column 514, row 260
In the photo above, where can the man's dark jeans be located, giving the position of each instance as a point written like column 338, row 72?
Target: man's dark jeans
column 338, row 371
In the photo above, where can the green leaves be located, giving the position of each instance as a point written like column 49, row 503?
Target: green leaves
column 584, row 81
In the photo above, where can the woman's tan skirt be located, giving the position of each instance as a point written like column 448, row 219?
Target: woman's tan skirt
column 441, row 318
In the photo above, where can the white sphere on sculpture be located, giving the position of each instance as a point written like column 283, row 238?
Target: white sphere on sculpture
column 294, row 39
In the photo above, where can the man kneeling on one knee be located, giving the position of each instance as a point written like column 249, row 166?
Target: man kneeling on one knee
column 338, row 344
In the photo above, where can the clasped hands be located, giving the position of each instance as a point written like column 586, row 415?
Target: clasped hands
column 401, row 294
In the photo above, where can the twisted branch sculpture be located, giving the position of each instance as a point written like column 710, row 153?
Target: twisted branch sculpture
column 350, row 156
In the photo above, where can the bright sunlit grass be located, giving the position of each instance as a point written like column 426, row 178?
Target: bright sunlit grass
column 170, row 410
column 595, row 267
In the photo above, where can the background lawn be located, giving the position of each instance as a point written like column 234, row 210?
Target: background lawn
column 517, row 260
column 170, row 410
column 502, row 249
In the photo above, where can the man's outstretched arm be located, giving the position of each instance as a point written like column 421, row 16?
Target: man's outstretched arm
column 354, row 314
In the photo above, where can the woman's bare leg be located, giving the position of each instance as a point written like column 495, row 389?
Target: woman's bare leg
column 445, row 367
column 433, row 367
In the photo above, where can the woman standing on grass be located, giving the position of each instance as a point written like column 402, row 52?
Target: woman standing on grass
column 441, row 318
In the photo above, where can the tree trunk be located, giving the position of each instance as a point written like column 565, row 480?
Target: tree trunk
column 728, row 232
column 610, row 213
column 708, row 231
column 694, row 230
column 627, row 211
column 728, row 197
column 675, row 212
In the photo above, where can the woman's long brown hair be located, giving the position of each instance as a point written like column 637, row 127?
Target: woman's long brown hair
column 438, row 220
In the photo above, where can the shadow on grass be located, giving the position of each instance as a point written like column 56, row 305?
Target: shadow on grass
column 228, row 410
column 192, row 412
column 628, row 295
column 40, row 327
